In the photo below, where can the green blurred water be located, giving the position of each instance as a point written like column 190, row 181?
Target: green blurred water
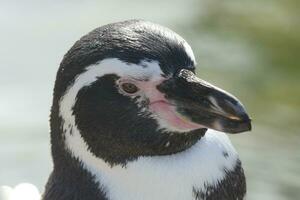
column 249, row 48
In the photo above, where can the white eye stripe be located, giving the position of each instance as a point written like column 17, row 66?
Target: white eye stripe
column 107, row 66
column 152, row 71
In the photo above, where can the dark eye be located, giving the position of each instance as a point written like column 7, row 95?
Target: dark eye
column 129, row 88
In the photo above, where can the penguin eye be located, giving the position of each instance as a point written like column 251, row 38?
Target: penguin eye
column 129, row 88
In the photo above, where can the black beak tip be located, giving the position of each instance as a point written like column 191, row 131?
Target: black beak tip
column 240, row 125
column 245, row 121
column 244, row 126
column 248, row 125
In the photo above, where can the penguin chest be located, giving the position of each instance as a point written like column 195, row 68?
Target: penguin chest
column 200, row 172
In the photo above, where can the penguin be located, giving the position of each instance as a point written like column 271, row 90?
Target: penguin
column 130, row 120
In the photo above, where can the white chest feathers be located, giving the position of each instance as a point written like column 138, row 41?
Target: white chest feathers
column 161, row 177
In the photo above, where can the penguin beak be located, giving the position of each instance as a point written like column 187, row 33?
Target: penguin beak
column 205, row 104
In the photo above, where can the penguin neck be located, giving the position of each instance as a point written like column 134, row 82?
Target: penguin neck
column 72, row 176
column 78, row 173
column 83, row 169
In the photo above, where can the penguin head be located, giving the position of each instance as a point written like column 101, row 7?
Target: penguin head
column 129, row 89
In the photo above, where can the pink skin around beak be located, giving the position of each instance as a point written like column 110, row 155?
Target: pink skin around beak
column 164, row 110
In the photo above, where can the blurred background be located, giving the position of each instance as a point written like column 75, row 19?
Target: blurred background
column 249, row 48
